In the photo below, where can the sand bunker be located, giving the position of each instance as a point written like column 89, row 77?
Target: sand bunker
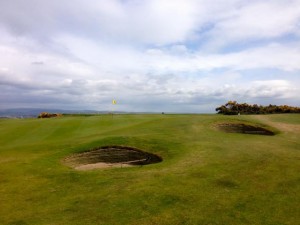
column 111, row 156
column 244, row 129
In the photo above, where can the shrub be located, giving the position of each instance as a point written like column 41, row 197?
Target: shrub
column 48, row 115
column 234, row 108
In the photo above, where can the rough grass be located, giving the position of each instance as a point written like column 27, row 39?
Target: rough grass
column 207, row 176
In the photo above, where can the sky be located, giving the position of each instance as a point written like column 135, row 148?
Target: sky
column 149, row 55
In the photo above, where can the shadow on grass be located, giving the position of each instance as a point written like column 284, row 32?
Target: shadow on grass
column 244, row 129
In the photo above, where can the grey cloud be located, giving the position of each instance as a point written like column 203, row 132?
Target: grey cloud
column 106, row 19
column 38, row 63
column 152, row 22
column 144, row 53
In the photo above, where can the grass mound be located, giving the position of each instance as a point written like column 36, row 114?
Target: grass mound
column 244, row 129
column 108, row 156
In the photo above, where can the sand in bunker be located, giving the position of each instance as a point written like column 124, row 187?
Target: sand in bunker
column 109, row 157
column 101, row 166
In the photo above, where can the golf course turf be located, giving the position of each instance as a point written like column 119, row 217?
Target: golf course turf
column 206, row 176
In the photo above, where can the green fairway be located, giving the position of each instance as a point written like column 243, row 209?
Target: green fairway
column 206, row 177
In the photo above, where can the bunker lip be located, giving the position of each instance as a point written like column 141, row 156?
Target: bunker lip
column 111, row 156
column 244, row 129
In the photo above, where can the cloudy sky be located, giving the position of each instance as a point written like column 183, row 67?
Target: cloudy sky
column 149, row 55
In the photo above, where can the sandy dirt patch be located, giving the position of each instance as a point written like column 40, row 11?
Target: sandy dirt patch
column 110, row 157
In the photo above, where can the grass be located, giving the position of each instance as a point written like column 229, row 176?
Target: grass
column 207, row 176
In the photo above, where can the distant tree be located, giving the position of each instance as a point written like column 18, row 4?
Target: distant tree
column 48, row 115
column 234, row 108
column 230, row 108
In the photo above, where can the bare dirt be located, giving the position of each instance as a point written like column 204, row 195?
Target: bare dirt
column 244, row 129
column 111, row 156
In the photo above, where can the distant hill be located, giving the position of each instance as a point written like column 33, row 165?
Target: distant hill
column 34, row 112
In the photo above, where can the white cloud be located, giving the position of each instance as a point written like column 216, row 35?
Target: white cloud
column 284, row 57
column 153, row 22
column 266, row 20
column 86, row 52
column 255, row 20
column 271, row 88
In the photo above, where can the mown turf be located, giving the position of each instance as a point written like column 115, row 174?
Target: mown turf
column 207, row 176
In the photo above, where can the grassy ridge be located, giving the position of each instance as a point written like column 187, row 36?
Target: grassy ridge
column 207, row 176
